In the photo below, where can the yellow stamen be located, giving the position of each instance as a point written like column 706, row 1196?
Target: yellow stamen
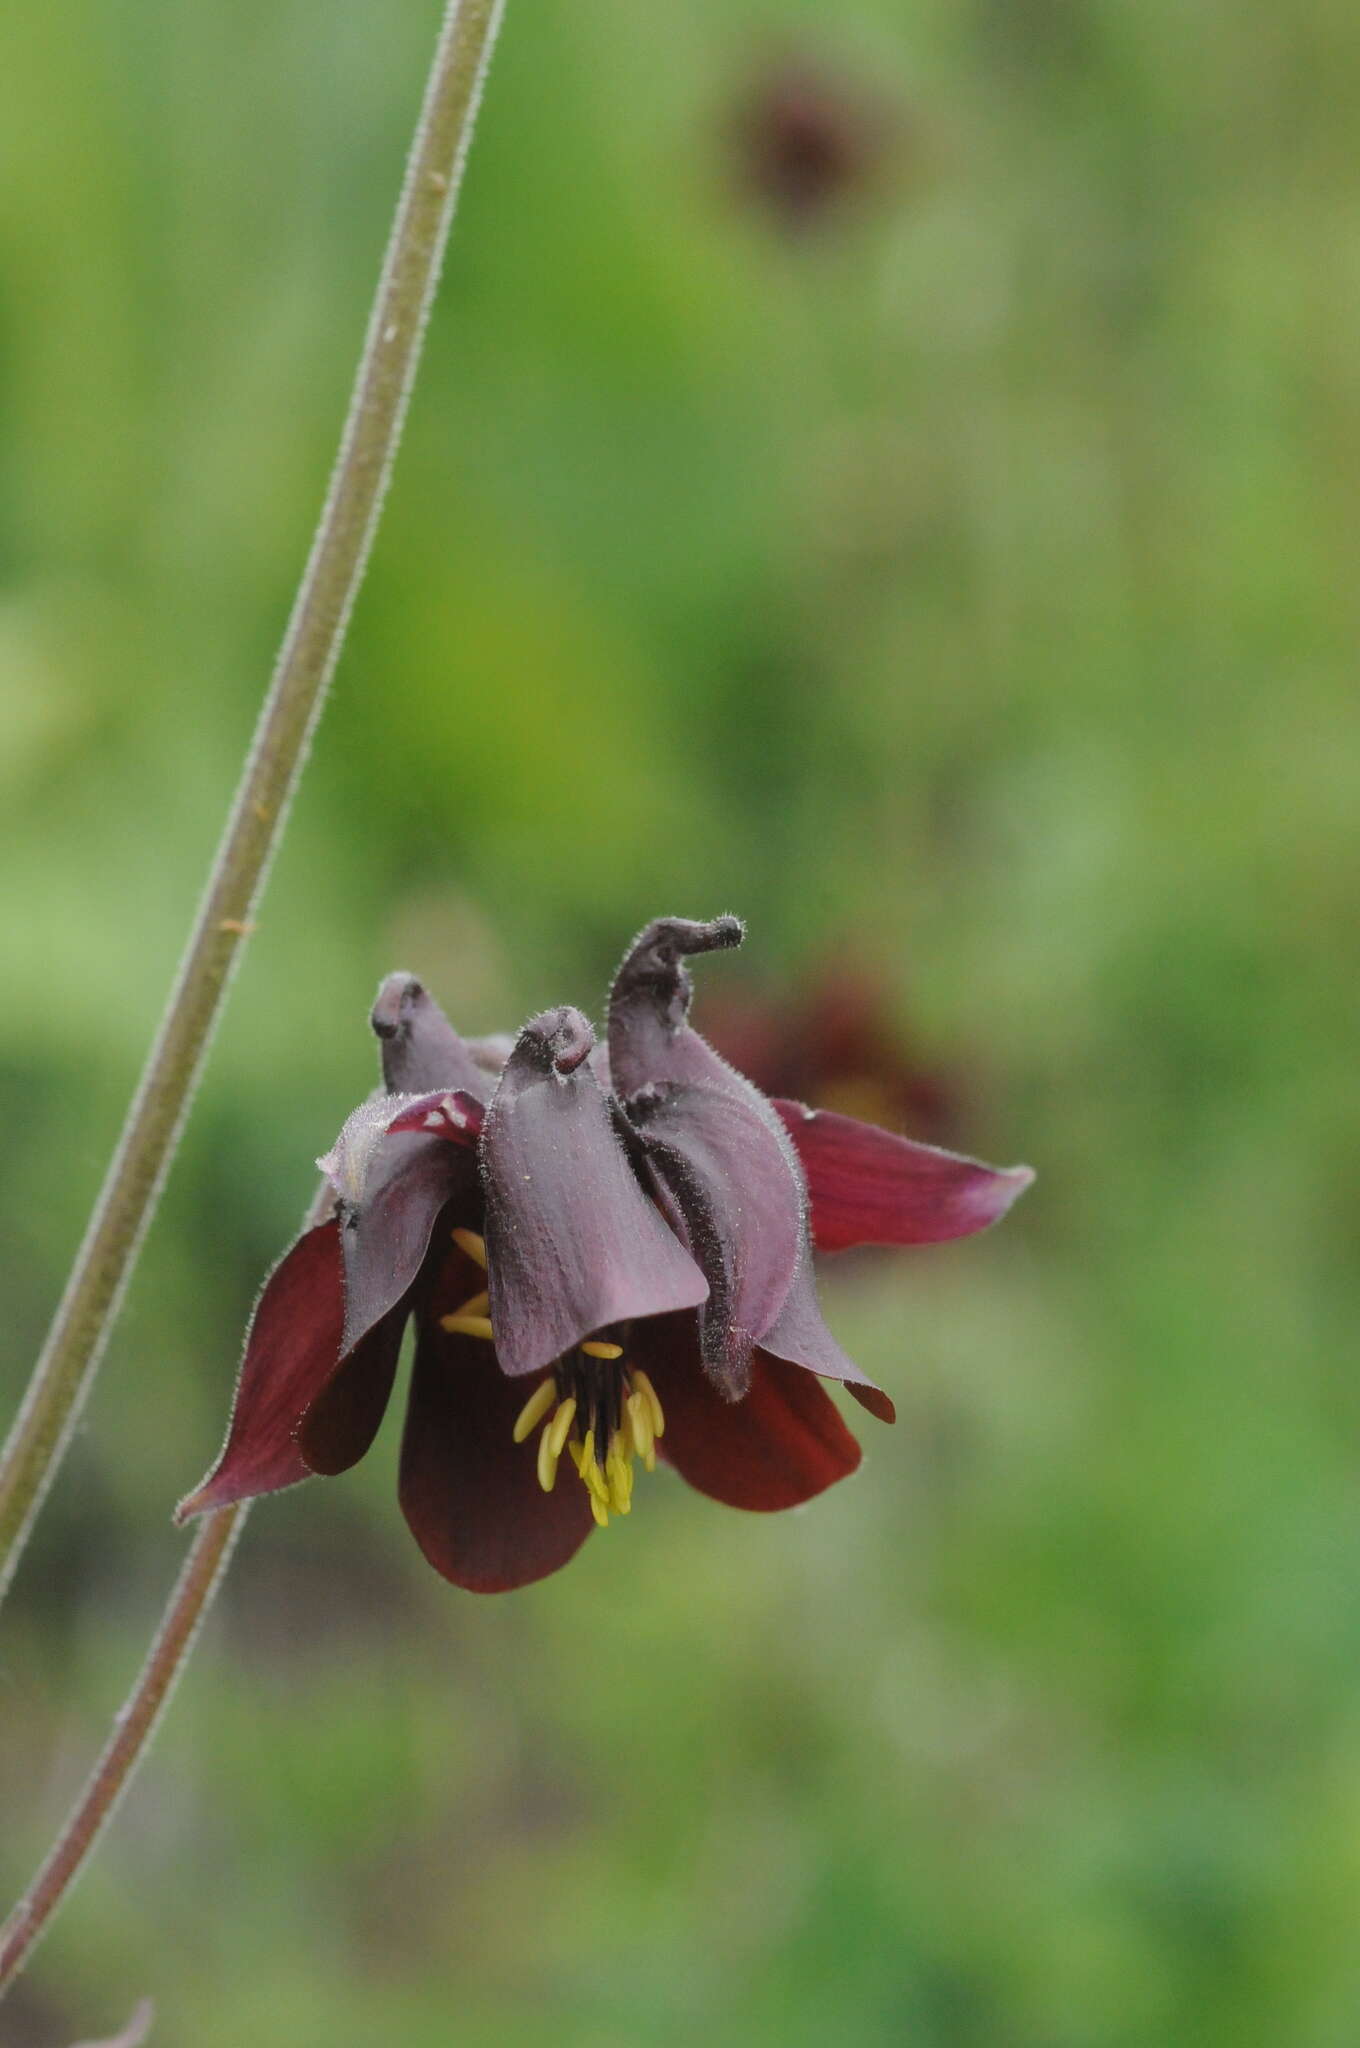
column 475, row 1305
column 469, row 1242
column 547, row 1462
column 558, row 1428
column 600, row 1511
column 620, row 1476
column 535, row 1408
column 595, row 1347
column 649, row 1393
column 639, row 1423
column 466, row 1326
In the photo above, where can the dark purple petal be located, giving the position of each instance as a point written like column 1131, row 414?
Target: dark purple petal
column 421, row 1050
column 392, row 1188
column 291, row 1350
column 727, row 1179
column 573, row 1244
column 800, row 1335
column 868, row 1186
column 650, row 1040
column 783, row 1442
column 469, row 1492
column 455, row 1116
column 343, row 1420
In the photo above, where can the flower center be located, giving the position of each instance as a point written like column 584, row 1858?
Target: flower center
column 592, row 1404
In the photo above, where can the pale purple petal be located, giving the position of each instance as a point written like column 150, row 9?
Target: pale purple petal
column 392, row 1188
column 650, row 1040
column 573, row 1244
column 727, row 1181
column 800, row 1335
column 421, row 1050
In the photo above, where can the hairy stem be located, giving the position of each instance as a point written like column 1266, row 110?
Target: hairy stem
column 132, row 1731
column 316, row 630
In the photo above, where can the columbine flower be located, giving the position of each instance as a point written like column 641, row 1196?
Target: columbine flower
column 609, row 1247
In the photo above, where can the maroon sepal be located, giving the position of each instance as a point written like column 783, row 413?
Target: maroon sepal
column 469, row 1492
column 291, row 1350
column 781, row 1444
column 868, row 1186
column 343, row 1420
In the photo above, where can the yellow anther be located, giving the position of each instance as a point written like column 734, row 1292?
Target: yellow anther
column 619, row 1476
column 558, row 1428
column 466, row 1326
column 475, row 1305
column 547, row 1462
column 590, row 1471
column 649, row 1393
column 535, row 1408
column 639, row 1424
column 600, row 1511
column 469, row 1242
column 596, row 1347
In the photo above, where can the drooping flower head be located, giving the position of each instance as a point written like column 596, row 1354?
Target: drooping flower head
column 607, row 1249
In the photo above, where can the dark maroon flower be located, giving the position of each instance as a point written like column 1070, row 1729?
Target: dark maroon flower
column 624, row 1232
column 804, row 141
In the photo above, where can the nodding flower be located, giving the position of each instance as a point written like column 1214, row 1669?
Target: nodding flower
column 607, row 1248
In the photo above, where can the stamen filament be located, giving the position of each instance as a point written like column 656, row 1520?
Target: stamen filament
column 468, row 1241
column 535, row 1408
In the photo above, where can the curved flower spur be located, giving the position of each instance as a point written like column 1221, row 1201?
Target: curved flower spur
column 610, row 1248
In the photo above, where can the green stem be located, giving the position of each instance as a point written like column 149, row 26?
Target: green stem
column 311, row 646
column 132, row 1732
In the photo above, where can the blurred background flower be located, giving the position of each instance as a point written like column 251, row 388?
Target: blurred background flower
column 963, row 589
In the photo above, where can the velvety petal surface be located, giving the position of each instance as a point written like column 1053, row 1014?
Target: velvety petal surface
column 573, row 1244
column 290, row 1353
column 781, row 1444
column 799, row 1334
column 469, row 1492
column 738, row 1205
column 392, row 1186
column 868, row 1186
column 420, row 1049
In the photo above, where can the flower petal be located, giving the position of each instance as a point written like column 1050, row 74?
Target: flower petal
column 726, row 1174
column 343, row 1420
column 421, row 1050
column 800, row 1335
column 290, row 1353
column 781, row 1444
column 392, row 1187
column 650, row 1040
column 572, row 1242
column 469, row 1492
column 868, row 1186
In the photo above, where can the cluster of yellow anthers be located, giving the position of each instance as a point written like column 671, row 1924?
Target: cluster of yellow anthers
column 608, row 1479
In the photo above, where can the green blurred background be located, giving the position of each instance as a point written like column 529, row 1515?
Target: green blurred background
column 891, row 472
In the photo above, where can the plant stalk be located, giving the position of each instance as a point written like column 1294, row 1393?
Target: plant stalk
column 316, row 630
column 132, row 1732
